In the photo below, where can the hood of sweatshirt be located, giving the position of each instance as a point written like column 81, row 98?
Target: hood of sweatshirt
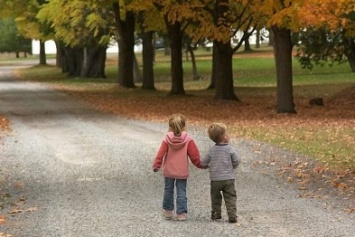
column 177, row 142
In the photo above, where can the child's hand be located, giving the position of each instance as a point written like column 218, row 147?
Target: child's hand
column 201, row 166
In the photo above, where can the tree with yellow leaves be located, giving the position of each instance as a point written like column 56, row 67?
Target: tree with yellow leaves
column 27, row 23
column 82, row 33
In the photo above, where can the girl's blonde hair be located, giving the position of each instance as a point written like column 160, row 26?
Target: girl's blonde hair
column 177, row 124
column 216, row 131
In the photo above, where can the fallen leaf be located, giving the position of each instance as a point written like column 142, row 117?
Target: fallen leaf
column 349, row 210
column 320, row 169
column 15, row 211
column 340, row 185
column 299, row 175
column 20, row 185
column 5, row 235
column 31, row 209
column 2, row 219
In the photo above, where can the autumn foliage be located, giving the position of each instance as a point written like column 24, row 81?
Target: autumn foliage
column 333, row 14
column 4, row 124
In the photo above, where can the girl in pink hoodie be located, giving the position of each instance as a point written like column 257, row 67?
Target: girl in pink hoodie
column 175, row 149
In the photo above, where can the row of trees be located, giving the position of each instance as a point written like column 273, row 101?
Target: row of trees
column 83, row 29
column 11, row 41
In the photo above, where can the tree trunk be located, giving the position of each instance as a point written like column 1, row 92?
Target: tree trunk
column 148, row 53
column 136, row 73
column 42, row 53
column 257, row 41
column 65, row 64
column 351, row 60
column 214, row 63
column 175, row 39
column 193, row 61
column 247, row 47
column 350, row 53
column 99, row 63
column 283, row 58
column 148, row 59
column 72, row 61
column 94, row 62
column 224, row 71
column 271, row 38
column 167, row 49
column 126, row 52
column 59, row 56
column 125, row 65
column 125, row 29
column 222, row 57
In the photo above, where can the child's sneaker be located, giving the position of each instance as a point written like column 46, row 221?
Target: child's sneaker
column 168, row 215
column 216, row 216
column 181, row 217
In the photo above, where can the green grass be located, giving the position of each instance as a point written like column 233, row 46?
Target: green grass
column 328, row 144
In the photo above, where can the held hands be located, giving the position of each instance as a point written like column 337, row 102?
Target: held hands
column 202, row 166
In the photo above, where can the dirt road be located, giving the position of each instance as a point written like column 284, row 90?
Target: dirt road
column 68, row 170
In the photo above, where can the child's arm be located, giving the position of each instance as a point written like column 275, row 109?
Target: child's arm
column 160, row 156
column 206, row 160
column 194, row 154
column 235, row 158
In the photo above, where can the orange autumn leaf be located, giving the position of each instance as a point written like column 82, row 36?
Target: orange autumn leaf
column 31, row 209
column 5, row 235
column 2, row 219
column 349, row 210
column 320, row 169
column 15, row 211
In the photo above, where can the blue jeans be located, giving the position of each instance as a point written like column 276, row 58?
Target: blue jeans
column 181, row 199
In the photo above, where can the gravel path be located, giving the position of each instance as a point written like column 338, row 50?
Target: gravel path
column 67, row 170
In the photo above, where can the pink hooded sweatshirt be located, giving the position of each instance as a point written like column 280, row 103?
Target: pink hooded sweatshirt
column 173, row 156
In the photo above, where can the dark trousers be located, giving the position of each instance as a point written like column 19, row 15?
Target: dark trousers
column 227, row 189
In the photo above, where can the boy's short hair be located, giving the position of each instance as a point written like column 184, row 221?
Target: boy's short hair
column 216, row 131
column 177, row 124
